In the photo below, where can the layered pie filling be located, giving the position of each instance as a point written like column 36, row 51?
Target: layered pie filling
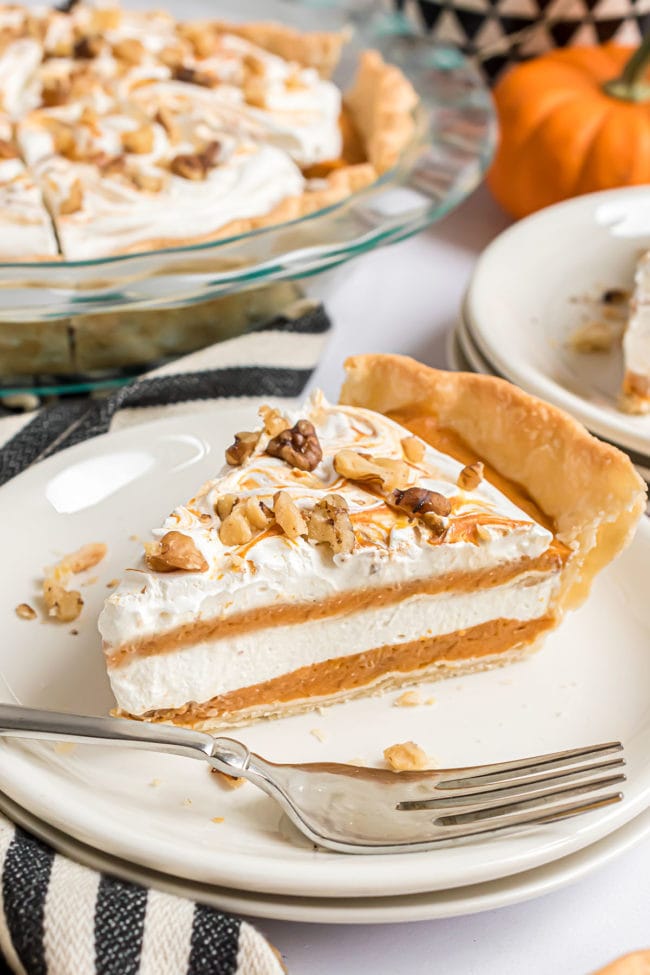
column 636, row 343
column 339, row 551
column 141, row 132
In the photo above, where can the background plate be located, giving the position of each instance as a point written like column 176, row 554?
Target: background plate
column 591, row 683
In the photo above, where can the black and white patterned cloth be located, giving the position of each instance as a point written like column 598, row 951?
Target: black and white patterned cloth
column 498, row 33
column 56, row 916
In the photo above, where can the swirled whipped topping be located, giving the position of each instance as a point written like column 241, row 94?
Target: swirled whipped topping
column 483, row 529
column 28, row 230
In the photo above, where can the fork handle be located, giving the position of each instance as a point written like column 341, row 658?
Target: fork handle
column 224, row 754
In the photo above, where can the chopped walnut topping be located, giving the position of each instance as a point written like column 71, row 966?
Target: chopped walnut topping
column 129, row 50
column 111, row 165
column 88, row 47
column 55, row 92
column 381, row 472
column 62, row 137
column 165, row 118
column 258, row 514
column 230, row 781
column 406, row 757
column 138, row 140
column 86, row 557
column 298, row 446
column 274, row 422
column 188, row 165
column 225, row 504
column 211, row 154
column 329, row 522
column 171, row 55
column 194, row 77
column 615, row 296
column 288, row 516
column 409, row 699
column 175, row 551
column 235, row 529
column 419, row 502
column 106, row 18
column 242, row 448
column 147, row 181
column 7, row 150
column 471, row 476
column 253, row 65
column 63, row 604
column 482, row 533
column 201, row 40
column 413, row 449
column 74, row 200
column 25, row 612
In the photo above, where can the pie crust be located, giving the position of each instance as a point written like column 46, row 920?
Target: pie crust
column 589, row 489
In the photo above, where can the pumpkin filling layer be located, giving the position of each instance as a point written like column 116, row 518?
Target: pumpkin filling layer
column 337, row 550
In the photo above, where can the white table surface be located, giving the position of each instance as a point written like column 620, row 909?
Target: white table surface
column 404, row 299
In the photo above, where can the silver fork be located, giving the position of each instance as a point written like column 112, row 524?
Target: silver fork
column 361, row 810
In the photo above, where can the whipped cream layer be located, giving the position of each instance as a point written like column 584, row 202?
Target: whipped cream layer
column 636, row 342
column 275, row 570
column 28, row 230
column 206, row 670
column 116, row 216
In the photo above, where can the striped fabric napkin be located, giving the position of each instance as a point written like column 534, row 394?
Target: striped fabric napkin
column 56, row 916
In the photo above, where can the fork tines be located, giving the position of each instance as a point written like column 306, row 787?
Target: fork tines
column 524, row 792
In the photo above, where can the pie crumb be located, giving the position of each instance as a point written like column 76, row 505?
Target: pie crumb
column 229, row 781
column 112, row 583
column 318, row 733
column 406, row 757
column 217, row 819
column 186, row 802
column 25, row 612
column 154, row 783
column 409, row 699
column 430, row 700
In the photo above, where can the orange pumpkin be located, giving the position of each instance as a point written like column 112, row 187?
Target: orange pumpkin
column 572, row 121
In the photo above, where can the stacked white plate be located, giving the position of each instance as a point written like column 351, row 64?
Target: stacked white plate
column 164, row 820
column 535, row 285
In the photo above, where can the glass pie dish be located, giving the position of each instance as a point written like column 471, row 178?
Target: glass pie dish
column 73, row 324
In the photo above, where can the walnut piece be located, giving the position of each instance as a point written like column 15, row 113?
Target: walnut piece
column 175, row 551
column 419, row 502
column 74, row 200
column 138, row 140
column 274, row 422
column 83, row 558
column 147, row 181
column 7, row 150
column 88, row 47
column 384, row 473
column 242, row 448
column 329, row 522
column 129, row 50
column 471, row 476
column 288, row 516
column 194, row 77
column 224, row 505
column 258, row 515
column 595, row 336
column 413, row 449
column 25, row 612
column 298, row 446
column 166, row 119
column 188, row 165
column 235, row 529
column 63, row 604
column 406, row 757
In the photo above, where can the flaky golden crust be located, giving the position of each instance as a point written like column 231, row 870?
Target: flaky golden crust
column 636, row 963
column 588, row 488
column 312, row 49
column 381, row 103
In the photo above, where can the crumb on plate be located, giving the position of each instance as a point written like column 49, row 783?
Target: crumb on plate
column 409, row 699
column 229, row 781
column 25, row 612
column 406, row 757
column 318, row 733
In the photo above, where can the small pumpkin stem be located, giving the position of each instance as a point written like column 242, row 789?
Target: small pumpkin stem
column 631, row 86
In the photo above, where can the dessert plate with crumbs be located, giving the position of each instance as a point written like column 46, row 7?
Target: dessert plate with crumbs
column 558, row 304
column 462, row 438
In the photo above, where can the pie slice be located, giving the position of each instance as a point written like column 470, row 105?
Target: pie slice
column 636, row 344
column 28, row 232
column 432, row 524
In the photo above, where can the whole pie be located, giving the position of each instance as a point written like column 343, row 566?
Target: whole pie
column 429, row 525
column 124, row 131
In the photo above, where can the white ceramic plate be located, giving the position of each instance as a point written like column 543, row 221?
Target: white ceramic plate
column 591, row 683
column 526, row 297
column 477, row 362
column 358, row 910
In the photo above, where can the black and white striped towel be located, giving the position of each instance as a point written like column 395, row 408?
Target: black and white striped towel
column 60, row 918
